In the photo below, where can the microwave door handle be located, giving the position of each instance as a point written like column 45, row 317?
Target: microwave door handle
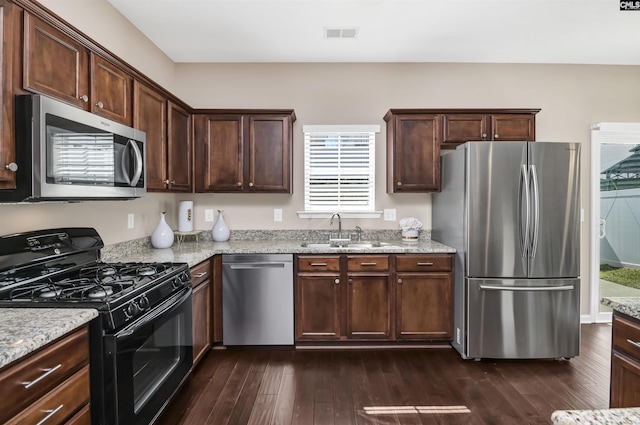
column 131, row 144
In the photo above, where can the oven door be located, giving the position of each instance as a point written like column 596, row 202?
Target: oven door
column 151, row 358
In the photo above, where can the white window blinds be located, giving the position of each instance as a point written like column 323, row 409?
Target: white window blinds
column 339, row 168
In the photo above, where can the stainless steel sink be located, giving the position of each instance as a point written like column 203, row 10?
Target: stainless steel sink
column 347, row 245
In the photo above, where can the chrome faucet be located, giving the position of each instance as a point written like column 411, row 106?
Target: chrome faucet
column 359, row 232
column 339, row 224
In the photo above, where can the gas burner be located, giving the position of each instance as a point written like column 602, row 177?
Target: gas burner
column 99, row 292
column 107, row 271
column 147, row 271
column 48, row 293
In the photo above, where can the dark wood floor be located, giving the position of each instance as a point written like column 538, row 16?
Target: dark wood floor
column 417, row 386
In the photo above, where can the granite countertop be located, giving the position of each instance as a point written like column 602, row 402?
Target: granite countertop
column 194, row 252
column 24, row 330
column 625, row 305
column 627, row 416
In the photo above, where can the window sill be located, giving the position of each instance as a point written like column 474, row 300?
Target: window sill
column 343, row 214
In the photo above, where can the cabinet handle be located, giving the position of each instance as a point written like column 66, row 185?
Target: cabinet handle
column 350, row 280
column 84, row 98
column 399, row 280
column 239, row 184
column 12, row 167
column 635, row 344
column 172, row 182
column 250, row 184
column 318, row 264
column 100, row 105
column 50, row 413
column 495, row 136
column 425, row 264
column 199, row 275
column 337, row 281
column 46, row 373
column 165, row 181
column 399, row 184
column 369, row 264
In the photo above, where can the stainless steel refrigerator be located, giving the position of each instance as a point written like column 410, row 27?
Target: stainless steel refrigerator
column 512, row 211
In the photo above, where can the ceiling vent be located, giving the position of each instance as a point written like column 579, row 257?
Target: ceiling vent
column 345, row 32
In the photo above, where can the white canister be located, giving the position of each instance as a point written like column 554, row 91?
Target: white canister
column 185, row 216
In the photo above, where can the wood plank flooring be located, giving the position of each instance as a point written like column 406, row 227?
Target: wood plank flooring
column 264, row 386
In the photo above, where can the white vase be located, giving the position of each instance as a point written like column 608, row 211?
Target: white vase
column 220, row 231
column 162, row 236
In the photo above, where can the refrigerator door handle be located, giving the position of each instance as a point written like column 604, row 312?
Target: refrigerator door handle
column 535, row 197
column 523, row 210
column 527, row 288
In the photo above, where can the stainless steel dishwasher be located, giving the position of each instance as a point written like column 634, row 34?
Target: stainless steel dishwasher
column 257, row 299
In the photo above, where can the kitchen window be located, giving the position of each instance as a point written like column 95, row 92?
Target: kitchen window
column 339, row 170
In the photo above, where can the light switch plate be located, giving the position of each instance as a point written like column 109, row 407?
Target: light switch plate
column 277, row 214
column 208, row 215
column 390, row 215
column 130, row 221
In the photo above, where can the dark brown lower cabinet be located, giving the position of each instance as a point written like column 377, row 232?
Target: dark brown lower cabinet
column 625, row 362
column 369, row 297
column 201, row 305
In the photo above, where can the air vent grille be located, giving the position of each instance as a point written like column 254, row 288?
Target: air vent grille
column 343, row 32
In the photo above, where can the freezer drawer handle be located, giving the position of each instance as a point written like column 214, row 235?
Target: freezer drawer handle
column 527, row 288
column 257, row 266
column 635, row 344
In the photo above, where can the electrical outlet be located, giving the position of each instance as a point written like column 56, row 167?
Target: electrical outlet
column 130, row 221
column 390, row 215
column 277, row 214
column 208, row 215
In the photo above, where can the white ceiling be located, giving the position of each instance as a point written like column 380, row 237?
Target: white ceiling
column 495, row 31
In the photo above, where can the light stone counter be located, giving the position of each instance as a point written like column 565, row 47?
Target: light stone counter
column 24, row 330
column 625, row 305
column 628, row 416
column 193, row 252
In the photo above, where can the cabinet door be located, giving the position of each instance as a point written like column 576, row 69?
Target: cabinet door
column 461, row 128
column 368, row 307
column 318, row 302
column 219, row 155
column 269, row 154
column 201, row 301
column 150, row 116
column 11, row 68
column 625, row 382
column 111, row 90
column 513, row 127
column 178, row 148
column 424, row 306
column 54, row 63
column 413, row 148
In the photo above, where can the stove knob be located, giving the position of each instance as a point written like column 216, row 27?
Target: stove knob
column 132, row 309
column 144, row 303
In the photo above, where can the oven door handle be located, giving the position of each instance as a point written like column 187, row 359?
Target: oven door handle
column 166, row 307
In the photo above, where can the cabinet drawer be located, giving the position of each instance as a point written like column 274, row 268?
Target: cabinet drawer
column 200, row 273
column 32, row 378
column 312, row 263
column 424, row 263
column 83, row 417
column 59, row 404
column 626, row 336
column 367, row 263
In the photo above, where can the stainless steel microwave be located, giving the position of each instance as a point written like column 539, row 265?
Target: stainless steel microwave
column 65, row 153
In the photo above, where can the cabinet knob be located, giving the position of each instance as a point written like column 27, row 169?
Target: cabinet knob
column 239, row 184
column 12, row 167
column 100, row 105
column 399, row 280
column 399, row 183
column 250, row 184
column 337, row 281
column 172, row 182
column 350, row 280
column 84, row 98
column 166, row 182
column 495, row 136
column 484, row 135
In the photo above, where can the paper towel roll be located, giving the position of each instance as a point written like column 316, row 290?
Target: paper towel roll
column 185, row 216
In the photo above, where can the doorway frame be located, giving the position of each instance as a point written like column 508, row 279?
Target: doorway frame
column 601, row 133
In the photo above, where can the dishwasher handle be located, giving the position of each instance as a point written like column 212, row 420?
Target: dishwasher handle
column 248, row 266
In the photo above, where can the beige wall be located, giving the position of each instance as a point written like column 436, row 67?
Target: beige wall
column 571, row 98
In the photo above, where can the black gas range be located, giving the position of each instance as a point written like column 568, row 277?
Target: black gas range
column 141, row 346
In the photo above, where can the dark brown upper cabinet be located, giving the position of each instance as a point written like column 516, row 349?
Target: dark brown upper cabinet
column 243, row 151
column 505, row 126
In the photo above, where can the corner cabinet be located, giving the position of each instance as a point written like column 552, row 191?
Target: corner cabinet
column 243, row 151
column 415, row 138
